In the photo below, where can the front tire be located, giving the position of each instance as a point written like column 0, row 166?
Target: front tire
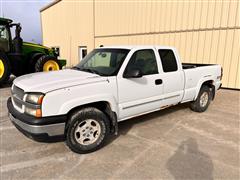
column 5, row 71
column 47, row 63
column 87, row 130
column 203, row 100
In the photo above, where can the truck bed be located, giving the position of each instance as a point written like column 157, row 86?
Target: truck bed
column 195, row 73
column 192, row 65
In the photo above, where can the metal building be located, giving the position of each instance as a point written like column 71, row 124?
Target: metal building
column 204, row 31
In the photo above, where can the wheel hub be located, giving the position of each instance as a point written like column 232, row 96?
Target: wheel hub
column 1, row 68
column 204, row 99
column 87, row 132
column 51, row 65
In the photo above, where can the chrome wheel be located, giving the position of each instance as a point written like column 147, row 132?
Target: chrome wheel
column 204, row 99
column 87, row 132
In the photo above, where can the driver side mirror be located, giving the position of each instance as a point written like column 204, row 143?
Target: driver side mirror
column 133, row 73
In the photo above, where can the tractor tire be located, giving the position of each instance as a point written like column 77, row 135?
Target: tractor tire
column 47, row 63
column 32, row 61
column 5, row 69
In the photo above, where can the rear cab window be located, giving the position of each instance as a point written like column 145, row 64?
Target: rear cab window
column 168, row 59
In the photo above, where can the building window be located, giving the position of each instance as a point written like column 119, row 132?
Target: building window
column 82, row 52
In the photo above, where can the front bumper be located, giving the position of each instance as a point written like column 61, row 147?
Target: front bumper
column 37, row 128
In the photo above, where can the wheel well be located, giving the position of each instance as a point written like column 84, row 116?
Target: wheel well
column 208, row 83
column 211, row 86
column 103, row 106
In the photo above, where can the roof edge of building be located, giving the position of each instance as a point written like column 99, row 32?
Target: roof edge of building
column 49, row 5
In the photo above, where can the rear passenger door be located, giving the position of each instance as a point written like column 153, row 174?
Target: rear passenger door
column 172, row 77
column 143, row 94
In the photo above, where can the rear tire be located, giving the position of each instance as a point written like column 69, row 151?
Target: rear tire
column 47, row 63
column 5, row 70
column 32, row 61
column 203, row 100
column 87, row 130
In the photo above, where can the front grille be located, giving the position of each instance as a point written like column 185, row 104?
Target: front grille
column 17, row 96
column 18, row 92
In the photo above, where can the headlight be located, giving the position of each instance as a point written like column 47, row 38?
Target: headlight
column 33, row 105
column 33, row 112
column 35, row 98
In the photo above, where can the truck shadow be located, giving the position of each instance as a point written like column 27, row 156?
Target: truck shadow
column 125, row 126
column 188, row 162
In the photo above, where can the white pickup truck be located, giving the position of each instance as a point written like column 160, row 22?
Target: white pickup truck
column 111, row 84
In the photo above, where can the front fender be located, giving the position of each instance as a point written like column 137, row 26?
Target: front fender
column 62, row 101
column 69, row 105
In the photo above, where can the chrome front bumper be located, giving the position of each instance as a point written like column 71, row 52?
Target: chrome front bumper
column 50, row 129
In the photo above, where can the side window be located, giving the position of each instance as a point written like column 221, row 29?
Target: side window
column 143, row 60
column 168, row 59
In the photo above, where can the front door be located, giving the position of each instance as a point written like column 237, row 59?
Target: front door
column 140, row 94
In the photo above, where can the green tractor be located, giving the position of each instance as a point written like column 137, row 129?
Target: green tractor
column 18, row 57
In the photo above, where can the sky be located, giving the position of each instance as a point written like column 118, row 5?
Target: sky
column 27, row 13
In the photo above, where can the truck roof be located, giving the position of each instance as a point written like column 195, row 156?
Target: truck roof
column 137, row 46
column 5, row 20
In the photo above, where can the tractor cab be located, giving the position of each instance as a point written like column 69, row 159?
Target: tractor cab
column 18, row 57
column 7, row 44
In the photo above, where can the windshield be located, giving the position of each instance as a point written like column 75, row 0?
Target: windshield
column 105, row 62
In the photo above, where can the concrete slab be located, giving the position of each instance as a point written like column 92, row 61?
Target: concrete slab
column 174, row 143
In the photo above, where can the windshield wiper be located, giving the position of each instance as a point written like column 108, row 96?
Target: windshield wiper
column 88, row 70
column 75, row 67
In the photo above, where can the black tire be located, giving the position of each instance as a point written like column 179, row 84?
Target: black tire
column 6, row 70
column 78, row 120
column 196, row 105
column 42, row 60
column 32, row 61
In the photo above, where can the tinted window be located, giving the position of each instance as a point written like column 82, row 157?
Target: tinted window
column 143, row 60
column 168, row 59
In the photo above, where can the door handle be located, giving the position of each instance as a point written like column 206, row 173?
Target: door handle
column 158, row 81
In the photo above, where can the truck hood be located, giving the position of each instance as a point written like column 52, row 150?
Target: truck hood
column 49, row 81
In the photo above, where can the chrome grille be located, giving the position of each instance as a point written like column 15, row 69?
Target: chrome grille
column 18, row 92
column 17, row 96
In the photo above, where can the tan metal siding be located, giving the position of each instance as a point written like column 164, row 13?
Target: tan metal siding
column 202, row 31
column 69, row 24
